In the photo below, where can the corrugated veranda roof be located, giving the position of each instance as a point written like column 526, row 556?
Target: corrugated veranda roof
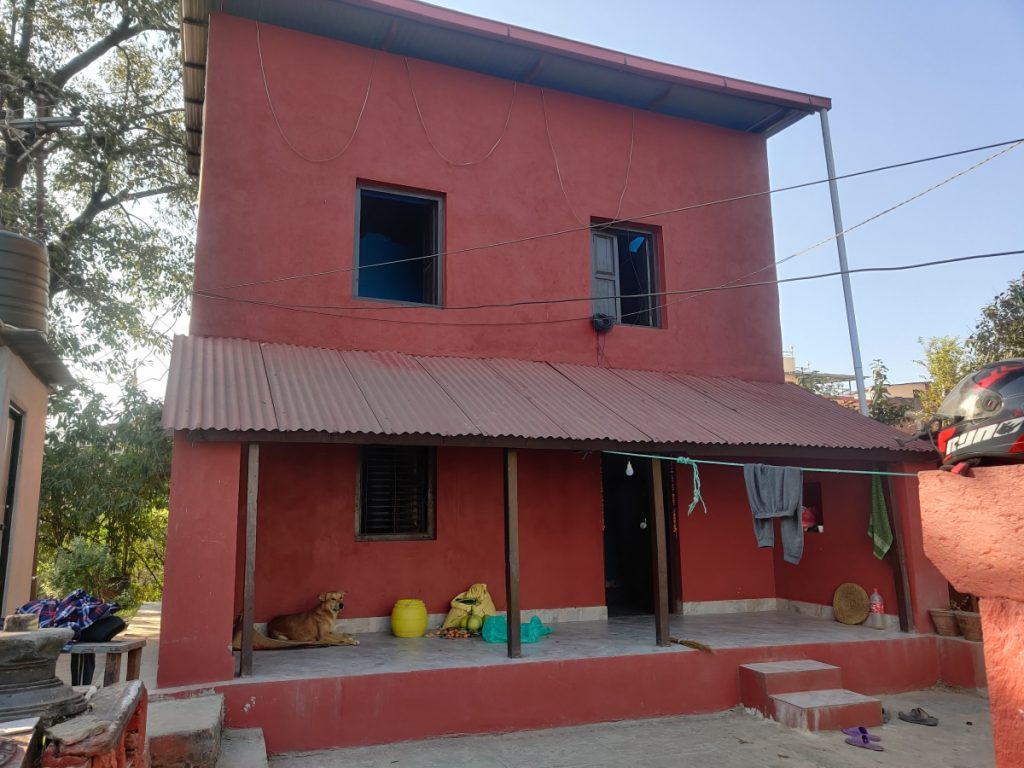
column 237, row 385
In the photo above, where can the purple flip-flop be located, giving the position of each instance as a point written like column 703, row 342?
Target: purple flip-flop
column 864, row 742
column 860, row 731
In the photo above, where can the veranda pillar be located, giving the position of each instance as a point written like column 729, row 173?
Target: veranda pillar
column 199, row 571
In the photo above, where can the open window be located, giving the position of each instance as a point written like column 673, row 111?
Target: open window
column 396, row 492
column 398, row 246
column 625, row 276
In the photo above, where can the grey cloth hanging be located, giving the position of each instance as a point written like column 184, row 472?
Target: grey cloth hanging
column 777, row 492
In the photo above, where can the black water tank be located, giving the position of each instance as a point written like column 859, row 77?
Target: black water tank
column 24, row 281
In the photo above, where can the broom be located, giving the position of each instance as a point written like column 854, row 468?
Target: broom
column 697, row 646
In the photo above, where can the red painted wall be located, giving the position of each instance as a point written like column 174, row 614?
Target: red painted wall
column 720, row 559
column 266, row 213
column 306, row 541
column 718, row 554
column 199, row 576
column 843, row 552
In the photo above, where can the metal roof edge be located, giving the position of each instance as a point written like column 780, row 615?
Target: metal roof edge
column 195, row 16
column 35, row 351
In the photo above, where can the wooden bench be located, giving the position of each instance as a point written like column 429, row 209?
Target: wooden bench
column 113, row 650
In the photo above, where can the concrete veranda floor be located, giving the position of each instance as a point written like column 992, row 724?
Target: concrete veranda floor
column 734, row 739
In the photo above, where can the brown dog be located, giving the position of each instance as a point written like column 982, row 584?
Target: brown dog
column 315, row 626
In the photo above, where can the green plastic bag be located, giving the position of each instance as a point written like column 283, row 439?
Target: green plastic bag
column 495, row 630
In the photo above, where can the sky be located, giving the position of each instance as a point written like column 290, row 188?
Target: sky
column 907, row 79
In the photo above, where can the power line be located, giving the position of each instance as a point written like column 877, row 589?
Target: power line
column 1011, row 144
column 322, row 309
column 830, row 238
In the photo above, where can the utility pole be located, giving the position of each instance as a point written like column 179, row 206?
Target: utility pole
column 837, row 220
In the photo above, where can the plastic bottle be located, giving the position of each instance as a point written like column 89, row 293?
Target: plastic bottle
column 876, row 619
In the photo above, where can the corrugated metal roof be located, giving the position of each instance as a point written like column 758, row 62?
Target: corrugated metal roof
column 235, row 385
column 420, row 30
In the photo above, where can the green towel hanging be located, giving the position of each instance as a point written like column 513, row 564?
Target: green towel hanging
column 878, row 525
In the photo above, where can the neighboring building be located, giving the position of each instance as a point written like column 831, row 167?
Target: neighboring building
column 29, row 372
column 393, row 374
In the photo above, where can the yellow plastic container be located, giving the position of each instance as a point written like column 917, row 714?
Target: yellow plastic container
column 409, row 618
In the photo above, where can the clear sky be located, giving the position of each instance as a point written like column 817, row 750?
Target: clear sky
column 907, row 79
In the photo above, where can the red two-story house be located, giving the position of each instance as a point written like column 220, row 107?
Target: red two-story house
column 447, row 272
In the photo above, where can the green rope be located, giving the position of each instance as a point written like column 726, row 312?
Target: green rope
column 694, row 462
column 697, row 498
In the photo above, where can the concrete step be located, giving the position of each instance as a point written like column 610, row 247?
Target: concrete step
column 759, row 682
column 826, row 710
column 243, row 748
column 185, row 733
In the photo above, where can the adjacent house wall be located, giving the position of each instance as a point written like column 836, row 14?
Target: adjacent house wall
column 266, row 213
column 21, row 388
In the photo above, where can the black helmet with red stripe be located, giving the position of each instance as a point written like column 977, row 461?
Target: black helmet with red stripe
column 982, row 418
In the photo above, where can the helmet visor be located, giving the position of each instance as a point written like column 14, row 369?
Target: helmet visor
column 980, row 395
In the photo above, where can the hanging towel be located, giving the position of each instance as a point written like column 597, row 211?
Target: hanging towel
column 878, row 524
column 777, row 492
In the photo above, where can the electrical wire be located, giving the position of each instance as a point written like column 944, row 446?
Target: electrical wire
column 323, row 309
column 558, row 167
column 362, row 308
column 426, row 132
column 277, row 120
column 1012, row 144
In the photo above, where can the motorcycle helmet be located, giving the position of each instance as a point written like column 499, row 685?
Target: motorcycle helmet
column 982, row 418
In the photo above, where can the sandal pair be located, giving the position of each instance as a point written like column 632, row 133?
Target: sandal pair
column 859, row 737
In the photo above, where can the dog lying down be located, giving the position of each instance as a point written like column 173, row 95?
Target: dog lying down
column 315, row 627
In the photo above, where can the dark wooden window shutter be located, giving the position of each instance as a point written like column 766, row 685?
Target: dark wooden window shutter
column 396, row 491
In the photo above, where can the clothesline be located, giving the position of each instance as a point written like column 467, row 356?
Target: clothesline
column 833, row 470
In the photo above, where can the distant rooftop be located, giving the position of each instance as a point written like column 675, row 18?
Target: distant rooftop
column 424, row 31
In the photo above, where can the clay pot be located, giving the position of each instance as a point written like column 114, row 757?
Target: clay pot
column 970, row 625
column 945, row 622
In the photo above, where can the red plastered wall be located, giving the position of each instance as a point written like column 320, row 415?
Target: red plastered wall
column 266, row 213
column 719, row 556
column 306, row 536
column 842, row 553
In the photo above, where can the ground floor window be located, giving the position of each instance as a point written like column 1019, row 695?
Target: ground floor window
column 396, row 492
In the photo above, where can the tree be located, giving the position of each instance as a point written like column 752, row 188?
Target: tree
column 819, row 383
column 882, row 408
column 947, row 360
column 1000, row 332
column 109, row 196
column 103, row 501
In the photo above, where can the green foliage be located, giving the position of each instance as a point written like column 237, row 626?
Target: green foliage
column 947, row 360
column 113, row 202
column 1000, row 332
column 820, row 384
column 103, row 501
column 882, row 408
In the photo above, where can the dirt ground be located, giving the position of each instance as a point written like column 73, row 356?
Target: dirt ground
column 734, row 739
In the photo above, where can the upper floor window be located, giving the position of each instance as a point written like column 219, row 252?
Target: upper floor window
column 625, row 276
column 398, row 246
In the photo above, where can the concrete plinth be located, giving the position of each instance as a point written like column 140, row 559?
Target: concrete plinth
column 973, row 533
column 28, row 683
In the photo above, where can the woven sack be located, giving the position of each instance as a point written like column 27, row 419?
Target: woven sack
column 851, row 604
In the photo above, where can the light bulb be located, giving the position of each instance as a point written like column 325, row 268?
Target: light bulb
column 643, row 525
column 629, row 469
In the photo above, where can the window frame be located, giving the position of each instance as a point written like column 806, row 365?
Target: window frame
column 439, row 239
column 657, row 263
column 431, row 499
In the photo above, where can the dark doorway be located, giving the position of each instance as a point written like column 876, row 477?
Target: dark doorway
column 12, row 452
column 628, row 561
